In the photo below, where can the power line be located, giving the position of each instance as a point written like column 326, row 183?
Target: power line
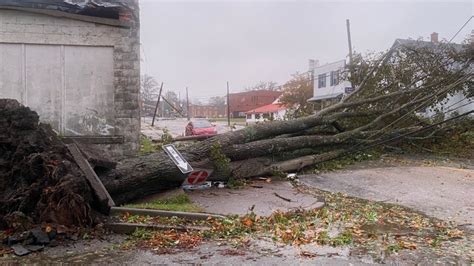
column 461, row 28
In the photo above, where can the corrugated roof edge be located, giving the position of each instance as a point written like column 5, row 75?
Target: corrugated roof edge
column 103, row 12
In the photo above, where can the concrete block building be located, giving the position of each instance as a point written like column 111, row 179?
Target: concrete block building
column 77, row 63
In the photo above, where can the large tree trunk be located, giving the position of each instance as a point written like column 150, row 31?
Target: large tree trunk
column 39, row 177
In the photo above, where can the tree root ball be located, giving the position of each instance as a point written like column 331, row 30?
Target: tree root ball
column 38, row 177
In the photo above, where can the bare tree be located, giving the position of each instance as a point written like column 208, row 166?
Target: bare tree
column 264, row 85
column 149, row 88
column 218, row 101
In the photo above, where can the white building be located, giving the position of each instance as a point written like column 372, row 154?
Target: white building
column 328, row 83
column 458, row 102
column 273, row 111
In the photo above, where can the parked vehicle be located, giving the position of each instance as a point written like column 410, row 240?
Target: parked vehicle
column 200, row 127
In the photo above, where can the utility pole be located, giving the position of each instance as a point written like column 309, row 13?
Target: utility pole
column 157, row 103
column 228, row 105
column 187, row 104
column 348, row 25
column 312, row 66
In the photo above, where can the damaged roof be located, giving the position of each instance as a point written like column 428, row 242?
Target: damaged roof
column 106, row 9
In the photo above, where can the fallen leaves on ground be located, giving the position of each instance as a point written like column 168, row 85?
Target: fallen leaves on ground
column 172, row 238
column 342, row 221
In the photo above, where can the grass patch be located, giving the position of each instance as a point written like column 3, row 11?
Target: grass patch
column 176, row 203
column 147, row 146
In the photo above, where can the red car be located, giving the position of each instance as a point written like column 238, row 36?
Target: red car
column 200, row 127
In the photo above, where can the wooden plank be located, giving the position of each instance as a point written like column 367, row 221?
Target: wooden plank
column 128, row 228
column 94, row 139
column 103, row 196
column 160, row 213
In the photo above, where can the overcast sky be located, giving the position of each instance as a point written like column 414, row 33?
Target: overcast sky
column 202, row 45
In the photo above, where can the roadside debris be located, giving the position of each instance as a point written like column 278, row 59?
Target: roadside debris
column 36, row 239
column 205, row 185
column 281, row 197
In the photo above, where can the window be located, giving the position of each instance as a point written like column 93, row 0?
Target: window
column 322, row 80
column 249, row 116
column 257, row 116
column 266, row 116
column 334, row 77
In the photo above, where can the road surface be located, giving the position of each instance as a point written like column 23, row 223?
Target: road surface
column 443, row 192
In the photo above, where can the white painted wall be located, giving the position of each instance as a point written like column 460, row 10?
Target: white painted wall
column 326, row 71
column 61, row 68
column 100, row 69
column 71, row 87
column 454, row 103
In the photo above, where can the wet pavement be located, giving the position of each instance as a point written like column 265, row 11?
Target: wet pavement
column 261, row 197
column 257, row 252
column 446, row 193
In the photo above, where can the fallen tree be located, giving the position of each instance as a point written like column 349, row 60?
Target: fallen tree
column 39, row 177
column 393, row 89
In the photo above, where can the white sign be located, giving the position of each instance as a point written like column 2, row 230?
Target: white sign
column 178, row 159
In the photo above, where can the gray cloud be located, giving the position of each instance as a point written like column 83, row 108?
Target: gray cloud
column 204, row 44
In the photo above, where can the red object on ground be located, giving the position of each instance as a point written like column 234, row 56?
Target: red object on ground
column 197, row 177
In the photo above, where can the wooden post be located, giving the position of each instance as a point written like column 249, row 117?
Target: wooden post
column 103, row 196
column 187, row 104
column 228, row 105
column 157, row 103
column 173, row 107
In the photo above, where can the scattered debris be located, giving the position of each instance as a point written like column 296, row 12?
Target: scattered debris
column 202, row 186
column 291, row 176
column 20, row 250
column 281, row 197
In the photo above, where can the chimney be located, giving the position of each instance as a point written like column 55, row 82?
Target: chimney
column 434, row 37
